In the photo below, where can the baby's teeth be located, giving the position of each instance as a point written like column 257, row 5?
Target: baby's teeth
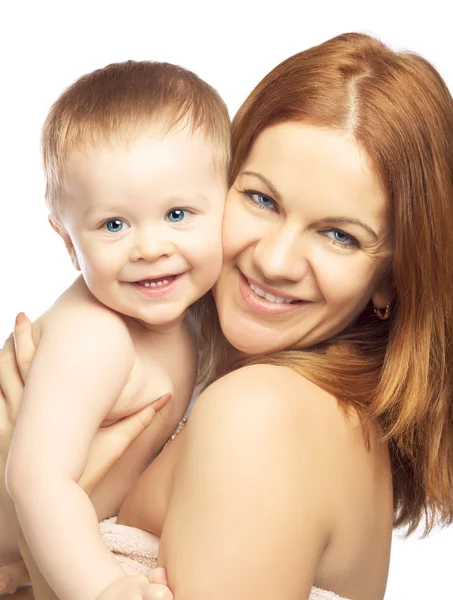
column 154, row 284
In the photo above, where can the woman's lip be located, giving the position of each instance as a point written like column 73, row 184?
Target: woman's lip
column 262, row 305
column 158, row 291
column 269, row 290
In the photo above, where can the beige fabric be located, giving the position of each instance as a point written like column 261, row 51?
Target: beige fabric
column 136, row 551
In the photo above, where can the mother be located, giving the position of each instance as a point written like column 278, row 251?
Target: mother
column 333, row 422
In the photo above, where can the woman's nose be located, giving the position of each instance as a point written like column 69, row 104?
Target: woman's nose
column 280, row 254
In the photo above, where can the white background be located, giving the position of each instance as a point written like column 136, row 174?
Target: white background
column 46, row 45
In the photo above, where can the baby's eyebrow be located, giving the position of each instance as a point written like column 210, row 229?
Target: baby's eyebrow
column 189, row 199
column 102, row 210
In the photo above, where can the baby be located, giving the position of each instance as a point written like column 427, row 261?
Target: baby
column 136, row 158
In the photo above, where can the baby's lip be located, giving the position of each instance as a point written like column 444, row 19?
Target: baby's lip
column 156, row 277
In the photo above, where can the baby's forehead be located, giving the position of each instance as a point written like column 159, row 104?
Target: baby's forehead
column 180, row 164
column 147, row 145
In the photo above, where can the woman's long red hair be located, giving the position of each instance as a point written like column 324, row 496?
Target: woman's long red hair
column 398, row 372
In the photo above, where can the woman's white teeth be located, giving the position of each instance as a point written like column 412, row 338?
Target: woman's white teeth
column 270, row 297
column 155, row 283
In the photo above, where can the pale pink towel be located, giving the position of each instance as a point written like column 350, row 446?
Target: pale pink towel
column 136, row 551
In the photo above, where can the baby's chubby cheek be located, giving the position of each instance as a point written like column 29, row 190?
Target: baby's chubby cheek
column 212, row 262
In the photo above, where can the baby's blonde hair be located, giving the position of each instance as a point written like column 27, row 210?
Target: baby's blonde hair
column 118, row 103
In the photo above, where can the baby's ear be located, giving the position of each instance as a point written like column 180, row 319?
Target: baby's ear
column 59, row 228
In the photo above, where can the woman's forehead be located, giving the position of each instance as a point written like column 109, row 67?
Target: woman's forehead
column 320, row 168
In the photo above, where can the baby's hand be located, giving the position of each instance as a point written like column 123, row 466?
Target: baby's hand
column 138, row 587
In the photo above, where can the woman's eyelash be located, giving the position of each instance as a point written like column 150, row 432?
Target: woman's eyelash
column 349, row 243
column 252, row 195
column 267, row 203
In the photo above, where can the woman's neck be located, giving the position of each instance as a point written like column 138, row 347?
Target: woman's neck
column 233, row 358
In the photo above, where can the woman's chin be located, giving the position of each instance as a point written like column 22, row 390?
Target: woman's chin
column 252, row 341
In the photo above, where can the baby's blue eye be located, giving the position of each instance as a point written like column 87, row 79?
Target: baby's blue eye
column 115, row 225
column 176, row 215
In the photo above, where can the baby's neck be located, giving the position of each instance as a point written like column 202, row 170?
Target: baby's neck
column 174, row 327
column 170, row 330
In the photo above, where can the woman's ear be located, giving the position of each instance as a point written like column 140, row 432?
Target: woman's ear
column 384, row 294
column 59, row 228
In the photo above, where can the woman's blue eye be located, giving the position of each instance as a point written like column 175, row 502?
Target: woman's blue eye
column 176, row 215
column 115, row 225
column 341, row 238
column 261, row 200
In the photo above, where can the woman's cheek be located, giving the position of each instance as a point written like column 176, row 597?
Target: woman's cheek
column 341, row 278
column 241, row 229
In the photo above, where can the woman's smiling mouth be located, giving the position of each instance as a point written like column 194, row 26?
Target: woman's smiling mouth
column 260, row 299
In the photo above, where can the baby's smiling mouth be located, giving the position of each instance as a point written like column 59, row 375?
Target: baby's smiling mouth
column 157, row 282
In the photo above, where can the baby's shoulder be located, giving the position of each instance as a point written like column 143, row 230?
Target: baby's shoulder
column 78, row 312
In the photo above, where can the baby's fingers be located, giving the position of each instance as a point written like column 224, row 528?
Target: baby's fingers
column 23, row 339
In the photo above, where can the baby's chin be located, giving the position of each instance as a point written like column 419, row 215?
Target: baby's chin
column 157, row 317
column 161, row 315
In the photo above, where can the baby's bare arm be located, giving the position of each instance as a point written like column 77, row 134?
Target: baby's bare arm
column 79, row 370
column 111, row 443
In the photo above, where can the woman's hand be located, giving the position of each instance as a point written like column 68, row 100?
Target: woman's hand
column 14, row 367
column 152, row 586
column 13, row 576
column 109, row 443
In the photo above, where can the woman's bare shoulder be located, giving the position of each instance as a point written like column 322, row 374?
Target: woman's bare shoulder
column 255, row 465
column 267, row 405
column 276, row 392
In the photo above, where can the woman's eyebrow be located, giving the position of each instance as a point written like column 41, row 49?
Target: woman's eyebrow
column 351, row 221
column 266, row 182
column 333, row 220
